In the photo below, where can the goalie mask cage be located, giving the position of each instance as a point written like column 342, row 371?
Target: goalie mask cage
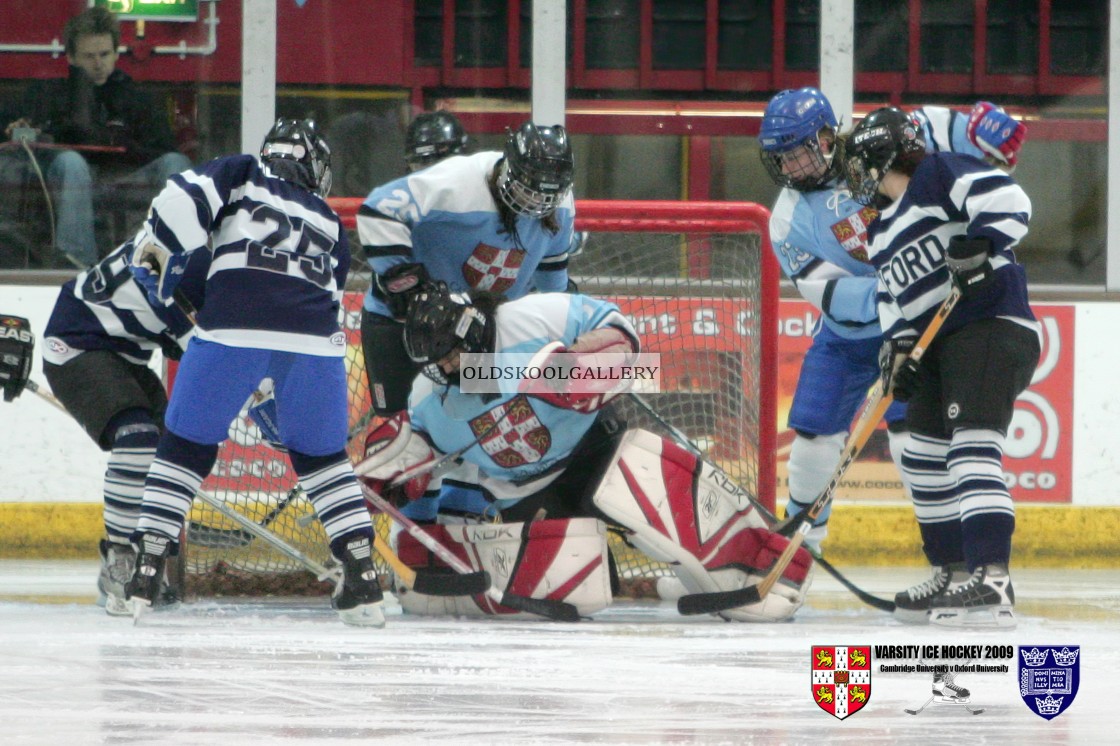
column 700, row 284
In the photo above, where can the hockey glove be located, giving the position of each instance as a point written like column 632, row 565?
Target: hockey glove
column 995, row 132
column 398, row 285
column 156, row 269
column 585, row 377
column 17, row 344
column 969, row 264
column 393, row 449
column 897, row 370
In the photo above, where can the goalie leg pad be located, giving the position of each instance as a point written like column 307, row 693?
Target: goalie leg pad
column 681, row 510
column 561, row 560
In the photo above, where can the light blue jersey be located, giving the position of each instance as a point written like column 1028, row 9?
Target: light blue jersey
column 445, row 218
column 521, row 438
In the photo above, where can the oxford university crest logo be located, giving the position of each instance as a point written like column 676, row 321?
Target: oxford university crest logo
column 1048, row 677
column 841, row 678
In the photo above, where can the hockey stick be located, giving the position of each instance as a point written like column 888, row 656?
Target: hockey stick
column 915, row 711
column 321, row 571
column 560, row 611
column 46, row 396
column 710, row 603
column 879, row 603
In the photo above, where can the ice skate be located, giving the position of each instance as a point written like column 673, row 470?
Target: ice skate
column 946, row 691
column 986, row 600
column 117, row 562
column 913, row 604
column 358, row 597
column 144, row 586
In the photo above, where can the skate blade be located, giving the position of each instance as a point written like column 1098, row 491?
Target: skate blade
column 1001, row 617
column 139, row 606
column 366, row 615
column 910, row 616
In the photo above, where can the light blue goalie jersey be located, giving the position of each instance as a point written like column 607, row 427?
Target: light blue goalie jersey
column 820, row 238
column 949, row 195
column 445, row 218
column 105, row 308
column 279, row 255
column 523, row 437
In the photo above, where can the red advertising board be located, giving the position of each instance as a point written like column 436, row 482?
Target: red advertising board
column 1038, row 452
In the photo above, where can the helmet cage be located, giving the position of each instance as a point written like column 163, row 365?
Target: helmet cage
column 790, row 135
column 297, row 142
column 518, row 195
column 804, row 167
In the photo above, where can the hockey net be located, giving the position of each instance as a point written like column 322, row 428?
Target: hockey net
column 700, row 284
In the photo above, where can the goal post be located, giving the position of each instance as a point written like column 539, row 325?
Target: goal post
column 700, row 284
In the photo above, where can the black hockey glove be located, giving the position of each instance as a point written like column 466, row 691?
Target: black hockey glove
column 896, row 368
column 399, row 285
column 967, row 259
column 17, row 344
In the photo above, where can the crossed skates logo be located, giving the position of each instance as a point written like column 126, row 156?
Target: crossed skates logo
column 946, row 691
column 1049, row 678
column 841, row 678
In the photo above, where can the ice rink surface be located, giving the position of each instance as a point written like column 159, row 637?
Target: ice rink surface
column 240, row 672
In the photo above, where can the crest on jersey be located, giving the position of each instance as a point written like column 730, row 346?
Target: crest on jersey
column 1048, row 677
column 491, row 268
column 518, row 438
column 851, row 232
column 841, row 678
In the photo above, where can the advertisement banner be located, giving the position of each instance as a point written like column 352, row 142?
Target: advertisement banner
column 1038, row 453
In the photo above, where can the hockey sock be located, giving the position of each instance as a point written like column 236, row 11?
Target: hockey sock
column 812, row 461
column 924, row 465
column 988, row 514
column 333, row 489
column 135, row 436
column 172, row 483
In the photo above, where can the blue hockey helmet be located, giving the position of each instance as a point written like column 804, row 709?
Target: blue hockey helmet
column 795, row 119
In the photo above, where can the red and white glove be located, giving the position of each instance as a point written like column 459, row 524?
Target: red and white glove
column 572, row 385
column 996, row 132
column 392, row 449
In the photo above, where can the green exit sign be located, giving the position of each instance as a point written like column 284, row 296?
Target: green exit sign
column 152, row 10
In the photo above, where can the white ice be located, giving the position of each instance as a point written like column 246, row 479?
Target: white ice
column 233, row 672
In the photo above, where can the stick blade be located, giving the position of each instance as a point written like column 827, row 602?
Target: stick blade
column 451, row 584
column 717, row 601
column 557, row 611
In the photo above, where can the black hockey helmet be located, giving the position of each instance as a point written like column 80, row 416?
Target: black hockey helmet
column 886, row 138
column 433, row 136
column 295, row 151
column 536, row 173
column 439, row 323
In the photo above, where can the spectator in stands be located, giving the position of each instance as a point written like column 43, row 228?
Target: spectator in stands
column 95, row 105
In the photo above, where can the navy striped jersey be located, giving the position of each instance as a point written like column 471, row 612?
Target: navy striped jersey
column 105, row 308
column 279, row 255
column 949, row 195
column 820, row 237
column 445, row 218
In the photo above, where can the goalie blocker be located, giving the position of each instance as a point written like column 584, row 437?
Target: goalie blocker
column 672, row 506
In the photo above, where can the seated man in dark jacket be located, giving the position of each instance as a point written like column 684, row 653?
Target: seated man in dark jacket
column 96, row 105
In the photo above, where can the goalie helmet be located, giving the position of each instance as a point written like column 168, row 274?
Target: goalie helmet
column 295, row 151
column 536, row 173
column 431, row 137
column 439, row 323
column 886, row 138
column 798, row 139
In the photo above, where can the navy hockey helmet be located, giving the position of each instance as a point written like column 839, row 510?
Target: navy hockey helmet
column 295, row 151
column 886, row 138
column 439, row 323
column 798, row 139
column 536, row 174
column 433, row 136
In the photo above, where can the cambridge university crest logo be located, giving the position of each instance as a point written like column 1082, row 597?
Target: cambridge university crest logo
column 841, row 680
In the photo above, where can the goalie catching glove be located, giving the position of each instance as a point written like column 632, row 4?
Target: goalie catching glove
column 585, row 376
column 392, row 449
column 17, row 344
